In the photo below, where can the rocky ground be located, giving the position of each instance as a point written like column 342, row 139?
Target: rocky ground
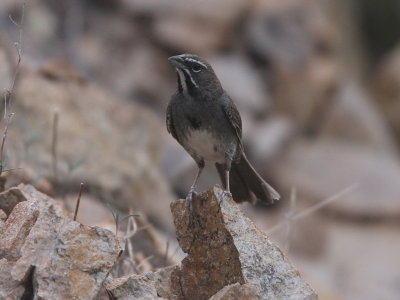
column 46, row 255
column 317, row 85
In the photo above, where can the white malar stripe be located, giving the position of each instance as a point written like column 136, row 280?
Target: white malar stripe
column 182, row 80
column 195, row 61
column 191, row 78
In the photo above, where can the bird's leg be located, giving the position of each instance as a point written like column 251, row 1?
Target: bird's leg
column 189, row 197
column 227, row 190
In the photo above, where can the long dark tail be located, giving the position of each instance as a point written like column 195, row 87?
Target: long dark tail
column 245, row 183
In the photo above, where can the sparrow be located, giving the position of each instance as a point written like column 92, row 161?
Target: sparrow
column 206, row 123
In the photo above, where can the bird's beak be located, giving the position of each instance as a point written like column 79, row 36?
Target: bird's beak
column 177, row 61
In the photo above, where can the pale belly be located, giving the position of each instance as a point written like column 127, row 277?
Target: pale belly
column 206, row 145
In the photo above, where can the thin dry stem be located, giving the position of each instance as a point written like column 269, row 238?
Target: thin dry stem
column 109, row 294
column 8, row 94
column 131, row 224
column 145, row 260
column 54, row 140
column 78, row 201
column 315, row 207
column 166, row 252
column 3, row 141
column 131, row 231
column 289, row 219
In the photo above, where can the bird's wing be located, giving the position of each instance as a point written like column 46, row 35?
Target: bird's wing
column 170, row 124
column 233, row 116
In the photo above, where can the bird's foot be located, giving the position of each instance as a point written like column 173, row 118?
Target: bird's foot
column 226, row 194
column 189, row 199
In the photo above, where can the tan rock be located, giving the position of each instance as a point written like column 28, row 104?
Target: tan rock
column 111, row 145
column 16, row 229
column 224, row 247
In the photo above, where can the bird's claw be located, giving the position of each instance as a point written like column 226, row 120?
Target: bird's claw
column 189, row 199
column 226, row 194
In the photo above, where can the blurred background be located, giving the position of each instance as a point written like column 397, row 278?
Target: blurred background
column 317, row 83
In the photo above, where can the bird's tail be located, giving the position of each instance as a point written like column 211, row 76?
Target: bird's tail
column 246, row 184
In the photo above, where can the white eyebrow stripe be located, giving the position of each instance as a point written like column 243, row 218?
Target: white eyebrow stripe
column 195, row 61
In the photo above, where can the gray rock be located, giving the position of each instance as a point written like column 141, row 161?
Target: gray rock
column 356, row 118
column 3, row 218
column 243, row 83
column 46, row 255
column 153, row 285
column 133, row 287
column 185, row 34
column 213, row 11
column 237, row 292
column 200, row 27
column 269, row 139
column 386, row 88
column 354, row 254
column 323, row 169
column 9, row 287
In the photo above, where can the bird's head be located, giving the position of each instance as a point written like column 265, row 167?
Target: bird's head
column 195, row 75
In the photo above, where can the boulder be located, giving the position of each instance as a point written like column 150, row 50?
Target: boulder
column 44, row 254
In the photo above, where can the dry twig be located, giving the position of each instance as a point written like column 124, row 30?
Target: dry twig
column 8, row 94
column 315, row 207
column 7, row 123
column 289, row 219
column 143, row 262
column 78, row 201
column 54, row 146
column 166, row 252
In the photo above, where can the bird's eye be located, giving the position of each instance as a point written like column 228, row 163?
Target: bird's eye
column 196, row 68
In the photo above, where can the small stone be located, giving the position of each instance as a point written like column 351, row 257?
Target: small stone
column 152, row 285
column 10, row 198
column 237, row 292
